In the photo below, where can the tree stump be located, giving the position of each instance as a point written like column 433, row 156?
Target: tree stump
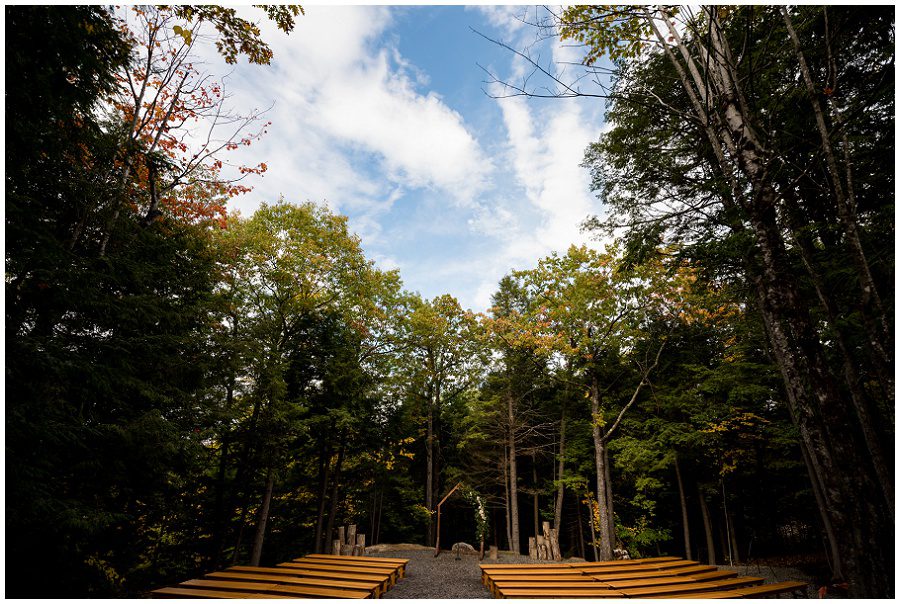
column 348, row 542
column 541, row 548
column 360, row 548
column 492, row 553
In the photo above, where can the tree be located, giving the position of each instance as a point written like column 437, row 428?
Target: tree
column 161, row 103
column 305, row 294
column 758, row 181
column 590, row 310
column 109, row 323
column 89, row 339
column 440, row 362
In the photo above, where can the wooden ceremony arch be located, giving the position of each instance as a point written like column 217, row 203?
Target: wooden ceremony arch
column 437, row 540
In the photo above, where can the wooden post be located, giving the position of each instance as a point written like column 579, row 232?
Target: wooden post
column 532, row 548
column 360, row 548
column 492, row 553
column 351, row 535
column 336, row 547
column 340, row 538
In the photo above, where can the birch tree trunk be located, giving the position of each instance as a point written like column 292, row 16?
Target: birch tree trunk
column 871, row 299
column 560, row 488
column 605, row 548
column 837, row 451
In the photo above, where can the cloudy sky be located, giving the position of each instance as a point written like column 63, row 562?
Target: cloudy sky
column 380, row 112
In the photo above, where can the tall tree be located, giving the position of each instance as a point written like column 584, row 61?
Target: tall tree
column 764, row 179
column 441, row 361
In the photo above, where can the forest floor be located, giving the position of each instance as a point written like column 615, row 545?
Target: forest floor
column 446, row 577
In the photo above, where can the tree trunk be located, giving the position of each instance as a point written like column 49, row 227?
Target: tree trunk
column 604, row 505
column 324, row 471
column 610, row 516
column 506, row 501
column 243, row 469
column 837, row 451
column 377, row 530
column 513, row 487
column 866, row 415
column 862, row 522
column 560, row 488
column 259, row 537
column 835, row 560
column 852, row 498
column 684, row 510
column 881, row 339
column 429, row 472
column 332, row 514
column 534, row 493
column 593, row 532
column 219, row 527
column 732, row 534
column 580, row 531
column 707, row 528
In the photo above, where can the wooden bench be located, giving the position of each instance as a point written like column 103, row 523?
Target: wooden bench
column 383, row 580
column 771, row 589
column 320, row 576
column 555, row 594
column 278, row 589
column 402, row 561
column 655, row 582
column 375, row 587
column 649, row 573
column 694, row 587
column 639, row 588
column 560, row 574
column 391, row 574
column 560, row 586
column 186, row 592
column 518, row 566
column 356, row 561
column 635, row 562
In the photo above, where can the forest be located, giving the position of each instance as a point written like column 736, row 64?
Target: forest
column 188, row 388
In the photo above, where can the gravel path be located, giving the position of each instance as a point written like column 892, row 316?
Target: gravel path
column 444, row 576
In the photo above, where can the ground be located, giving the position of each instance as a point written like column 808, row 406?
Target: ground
column 449, row 577
column 444, row 576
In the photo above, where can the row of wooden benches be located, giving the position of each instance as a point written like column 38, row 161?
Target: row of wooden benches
column 313, row 576
column 662, row 577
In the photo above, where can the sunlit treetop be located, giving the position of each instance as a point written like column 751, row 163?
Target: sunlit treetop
column 237, row 36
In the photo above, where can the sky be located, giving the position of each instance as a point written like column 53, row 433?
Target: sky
column 382, row 113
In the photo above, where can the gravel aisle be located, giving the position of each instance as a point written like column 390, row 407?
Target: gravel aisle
column 444, row 576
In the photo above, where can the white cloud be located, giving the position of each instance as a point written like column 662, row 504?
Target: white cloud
column 346, row 101
column 354, row 126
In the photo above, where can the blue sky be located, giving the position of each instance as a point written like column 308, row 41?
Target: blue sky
column 379, row 112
